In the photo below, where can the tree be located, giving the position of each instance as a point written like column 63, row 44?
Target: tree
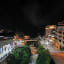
column 20, row 55
column 44, row 56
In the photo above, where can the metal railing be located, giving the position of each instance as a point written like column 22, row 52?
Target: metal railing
column 4, row 42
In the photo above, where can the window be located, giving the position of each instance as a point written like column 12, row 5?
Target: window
column 59, row 40
column 63, row 42
column 60, row 32
column 63, row 28
column 60, row 28
column 60, row 36
column 55, row 37
column 63, row 33
column 63, row 37
column 56, row 34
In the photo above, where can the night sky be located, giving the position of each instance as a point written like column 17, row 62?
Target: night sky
column 30, row 16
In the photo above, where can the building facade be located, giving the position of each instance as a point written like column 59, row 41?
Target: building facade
column 60, row 33
column 50, row 31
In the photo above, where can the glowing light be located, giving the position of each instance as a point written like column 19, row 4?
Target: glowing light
column 22, row 43
column 52, row 27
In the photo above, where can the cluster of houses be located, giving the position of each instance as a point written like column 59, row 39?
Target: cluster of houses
column 55, row 34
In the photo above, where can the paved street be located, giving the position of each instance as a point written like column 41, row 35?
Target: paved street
column 58, row 57
column 47, row 45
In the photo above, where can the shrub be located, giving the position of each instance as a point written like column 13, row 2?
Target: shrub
column 11, row 59
column 20, row 55
column 44, row 56
column 40, row 49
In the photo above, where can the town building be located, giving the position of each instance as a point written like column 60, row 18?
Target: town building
column 26, row 37
column 60, row 33
column 50, row 31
